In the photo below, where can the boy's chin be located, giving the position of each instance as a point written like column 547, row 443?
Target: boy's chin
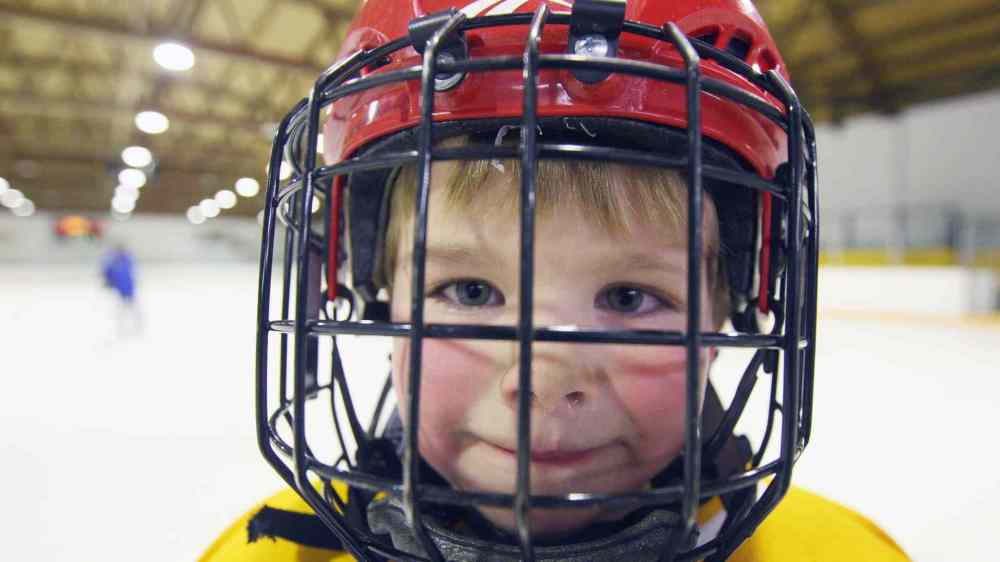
column 547, row 525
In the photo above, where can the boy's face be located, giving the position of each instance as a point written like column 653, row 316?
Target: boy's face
column 606, row 418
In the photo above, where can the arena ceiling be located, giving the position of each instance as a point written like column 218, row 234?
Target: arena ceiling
column 74, row 73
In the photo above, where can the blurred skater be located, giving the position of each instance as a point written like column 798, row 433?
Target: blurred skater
column 118, row 270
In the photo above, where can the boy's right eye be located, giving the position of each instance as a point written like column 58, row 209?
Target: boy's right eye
column 469, row 292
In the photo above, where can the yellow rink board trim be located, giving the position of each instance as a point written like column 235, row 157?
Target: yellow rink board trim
column 927, row 257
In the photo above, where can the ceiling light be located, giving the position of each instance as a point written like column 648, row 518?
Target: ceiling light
column 319, row 143
column 128, row 191
column 316, row 204
column 132, row 177
column 152, row 122
column 4, row 185
column 11, row 198
column 137, row 156
column 247, row 187
column 209, row 208
column 226, row 199
column 25, row 209
column 123, row 204
column 173, row 56
column 285, row 171
column 195, row 215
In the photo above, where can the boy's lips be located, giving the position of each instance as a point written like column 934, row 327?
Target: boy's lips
column 555, row 457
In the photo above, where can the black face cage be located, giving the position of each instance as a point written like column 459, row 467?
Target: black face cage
column 787, row 352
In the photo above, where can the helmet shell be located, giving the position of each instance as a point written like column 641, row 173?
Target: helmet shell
column 360, row 119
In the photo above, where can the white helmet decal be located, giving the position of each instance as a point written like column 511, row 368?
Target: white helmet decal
column 502, row 7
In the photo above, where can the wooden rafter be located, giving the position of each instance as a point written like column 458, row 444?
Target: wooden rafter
column 97, row 24
column 842, row 18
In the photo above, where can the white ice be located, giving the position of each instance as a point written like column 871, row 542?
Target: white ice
column 118, row 449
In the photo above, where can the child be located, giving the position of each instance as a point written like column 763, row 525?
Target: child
column 596, row 461
column 118, row 273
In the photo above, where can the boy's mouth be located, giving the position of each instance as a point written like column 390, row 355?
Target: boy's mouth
column 555, row 457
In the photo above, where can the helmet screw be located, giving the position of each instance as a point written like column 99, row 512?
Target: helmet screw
column 444, row 82
column 592, row 45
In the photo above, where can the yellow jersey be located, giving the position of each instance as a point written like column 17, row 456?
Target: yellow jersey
column 803, row 528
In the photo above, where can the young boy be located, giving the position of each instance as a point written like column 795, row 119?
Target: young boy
column 610, row 363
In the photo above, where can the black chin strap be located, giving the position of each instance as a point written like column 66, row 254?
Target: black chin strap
column 300, row 528
column 722, row 457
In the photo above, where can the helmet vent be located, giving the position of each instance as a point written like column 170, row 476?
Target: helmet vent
column 710, row 37
column 738, row 47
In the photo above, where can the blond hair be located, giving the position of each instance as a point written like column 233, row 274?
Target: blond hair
column 616, row 196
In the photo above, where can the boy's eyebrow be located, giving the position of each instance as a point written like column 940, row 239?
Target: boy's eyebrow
column 452, row 254
column 457, row 254
column 633, row 261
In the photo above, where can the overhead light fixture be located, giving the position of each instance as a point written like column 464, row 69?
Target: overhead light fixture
column 25, row 209
column 209, row 208
column 129, row 191
column 247, row 187
column 194, row 215
column 316, row 204
column 122, row 204
column 132, row 177
column 173, row 56
column 226, row 199
column 4, row 185
column 137, row 156
column 152, row 122
column 11, row 198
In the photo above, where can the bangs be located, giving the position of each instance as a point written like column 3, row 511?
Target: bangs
column 617, row 197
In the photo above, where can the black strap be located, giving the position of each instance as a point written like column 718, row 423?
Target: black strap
column 301, row 528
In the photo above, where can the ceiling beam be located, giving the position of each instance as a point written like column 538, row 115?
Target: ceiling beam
column 20, row 104
column 36, row 64
column 332, row 14
column 914, row 33
column 69, row 161
column 842, row 19
column 843, row 84
column 109, row 26
column 181, row 27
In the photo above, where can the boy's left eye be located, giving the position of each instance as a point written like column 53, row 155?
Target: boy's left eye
column 470, row 292
column 626, row 299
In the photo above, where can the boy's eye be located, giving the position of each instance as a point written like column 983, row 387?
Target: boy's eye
column 625, row 299
column 470, row 292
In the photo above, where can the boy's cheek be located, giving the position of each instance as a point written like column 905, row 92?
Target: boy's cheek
column 453, row 374
column 652, row 381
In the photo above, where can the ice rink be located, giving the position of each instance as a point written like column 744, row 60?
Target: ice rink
column 143, row 448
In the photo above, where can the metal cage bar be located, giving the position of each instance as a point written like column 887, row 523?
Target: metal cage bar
column 525, row 318
column 411, row 460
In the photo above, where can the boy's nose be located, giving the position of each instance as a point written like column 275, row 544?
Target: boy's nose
column 559, row 384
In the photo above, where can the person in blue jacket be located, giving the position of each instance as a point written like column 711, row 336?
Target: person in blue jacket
column 118, row 271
